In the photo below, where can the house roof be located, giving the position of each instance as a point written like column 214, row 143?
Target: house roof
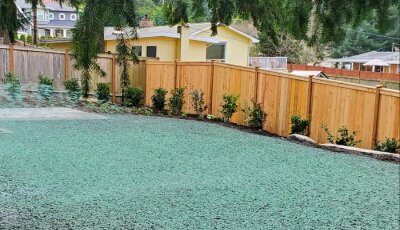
column 366, row 57
column 49, row 4
column 171, row 31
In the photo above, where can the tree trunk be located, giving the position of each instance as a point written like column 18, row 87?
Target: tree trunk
column 35, row 27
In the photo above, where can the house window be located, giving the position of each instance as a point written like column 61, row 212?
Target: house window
column 62, row 16
column 73, row 17
column 137, row 50
column 152, row 51
column 41, row 16
column 216, row 52
column 51, row 16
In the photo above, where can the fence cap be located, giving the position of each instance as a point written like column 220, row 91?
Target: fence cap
column 380, row 86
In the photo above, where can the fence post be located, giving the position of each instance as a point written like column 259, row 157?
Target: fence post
column 309, row 102
column 66, row 57
column 11, row 58
column 113, row 78
column 376, row 115
column 176, row 73
column 256, row 84
column 210, row 99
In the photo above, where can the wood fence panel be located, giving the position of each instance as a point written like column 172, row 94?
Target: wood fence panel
column 281, row 98
column 159, row 74
column 136, row 76
column 4, row 62
column 235, row 80
column 194, row 76
column 29, row 64
column 389, row 115
column 337, row 105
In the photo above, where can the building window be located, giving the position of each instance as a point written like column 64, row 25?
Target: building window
column 152, row 51
column 41, row 15
column 216, row 52
column 137, row 50
column 51, row 16
column 62, row 16
column 73, row 17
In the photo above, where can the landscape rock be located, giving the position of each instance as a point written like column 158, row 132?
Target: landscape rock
column 366, row 152
column 302, row 139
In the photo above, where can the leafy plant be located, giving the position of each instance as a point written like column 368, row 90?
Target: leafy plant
column 143, row 111
column 389, row 145
column 29, row 39
column 74, row 90
column 177, row 100
column 107, row 107
column 133, row 96
column 299, row 125
column 22, row 38
column 344, row 137
column 158, row 98
column 103, row 92
column 45, row 87
column 229, row 106
column 13, row 85
column 257, row 116
column 198, row 102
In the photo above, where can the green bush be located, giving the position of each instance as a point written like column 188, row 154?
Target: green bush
column 344, row 137
column 158, row 98
column 45, row 87
column 229, row 106
column 176, row 101
column 257, row 116
column 103, row 92
column 299, row 125
column 73, row 88
column 198, row 102
column 22, row 38
column 390, row 145
column 29, row 39
column 133, row 96
column 13, row 85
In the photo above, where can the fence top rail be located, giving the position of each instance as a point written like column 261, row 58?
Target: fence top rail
column 283, row 74
column 390, row 92
column 24, row 48
column 188, row 63
column 239, row 67
column 345, row 85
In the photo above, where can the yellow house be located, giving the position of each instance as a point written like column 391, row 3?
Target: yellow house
column 186, row 43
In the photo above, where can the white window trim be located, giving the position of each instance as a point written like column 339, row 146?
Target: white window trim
column 73, row 17
column 59, row 16
column 51, row 16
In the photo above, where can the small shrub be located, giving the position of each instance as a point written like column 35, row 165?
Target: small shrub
column 299, row 125
column 13, row 85
column 390, row 145
column 143, row 111
column 344, row 137
column 103, row 92
column 107, row 107
column 73, row 88
column 158, row 98
column 134, row 96
column 198, row 102
column 176, row 101
column 29, row 39
column 45, row 87
column 22, row 38
column 257, row 116
column 229, row 106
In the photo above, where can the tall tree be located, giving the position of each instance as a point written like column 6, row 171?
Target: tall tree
column 9, row 20
column 96, row 15
column 325, row 16
column 34, row 5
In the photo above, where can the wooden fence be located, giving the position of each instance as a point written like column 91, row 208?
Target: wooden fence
column 362, row 75
column 371, row 111
column 28, row 63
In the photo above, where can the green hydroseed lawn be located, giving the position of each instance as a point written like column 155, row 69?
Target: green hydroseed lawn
column 156, row 173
